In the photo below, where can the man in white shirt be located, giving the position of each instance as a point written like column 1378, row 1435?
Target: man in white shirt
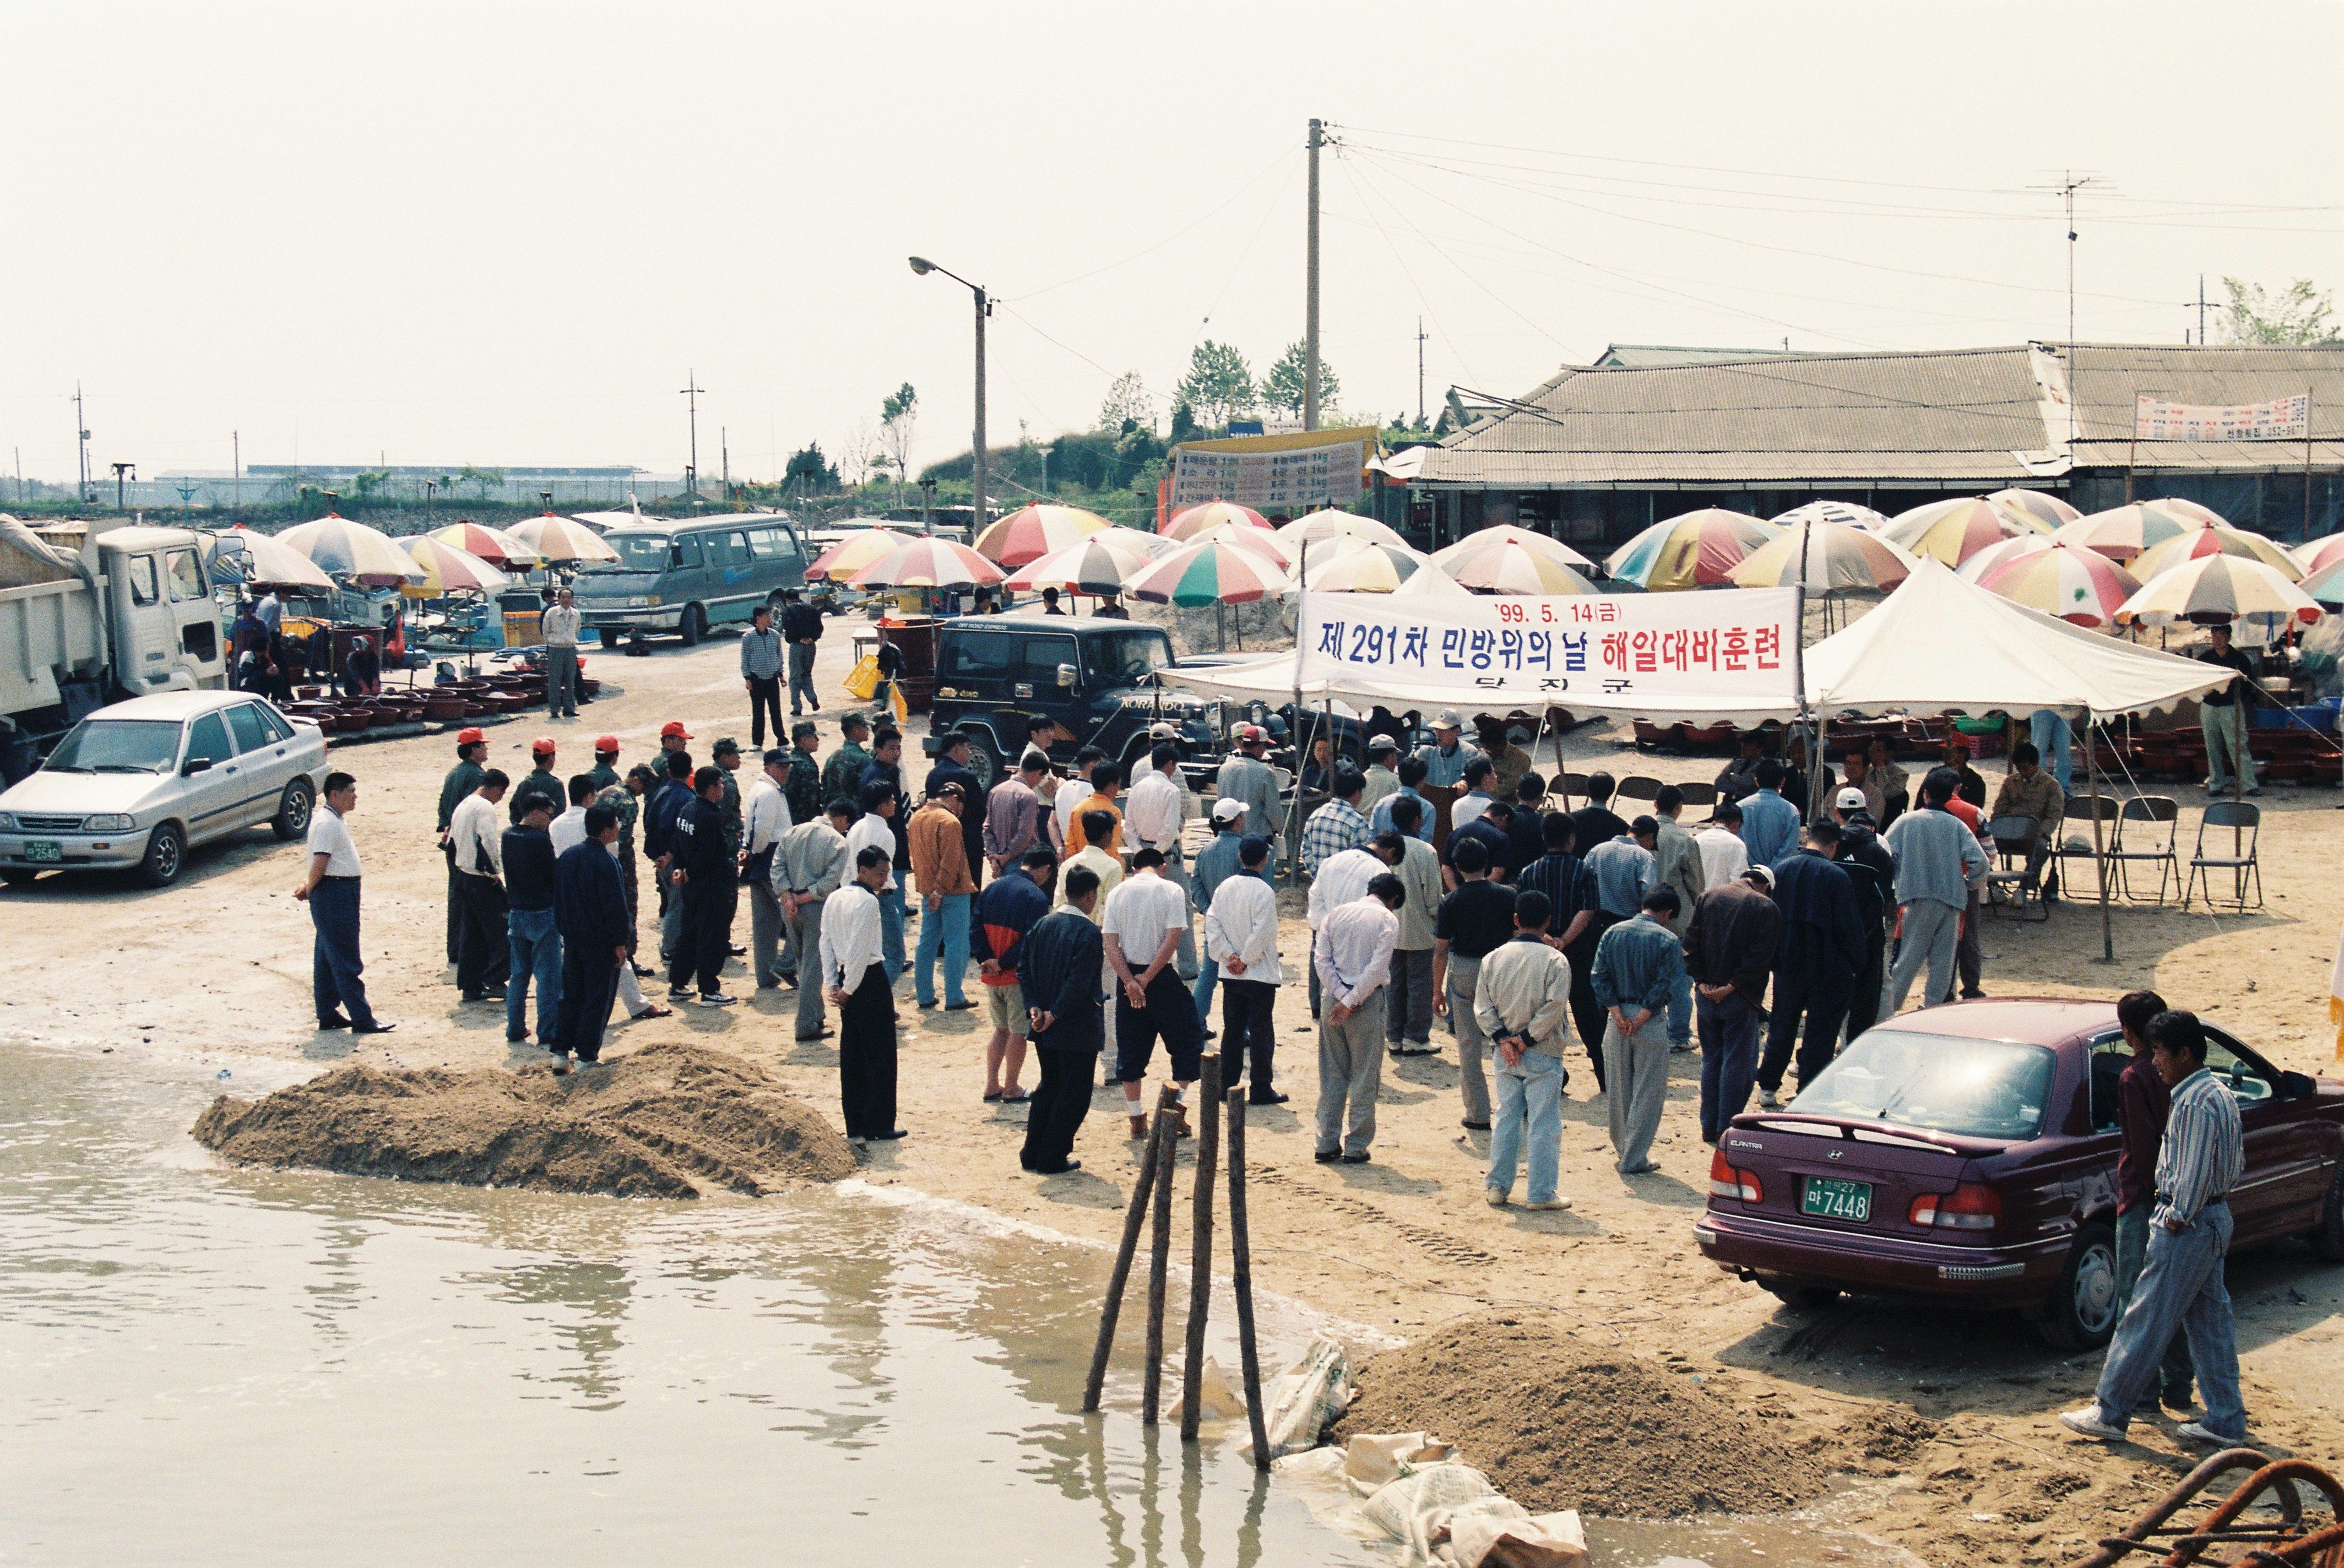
column 772, row 951
column 876, row 829
column 1241, row 939
column 1093, row 855
column 1072, row 793
column 331, row 890
column 483, row 947
column 1468, row 806
column 1723, row 856
column 854, row 974
column 1352, row 956
column 1155, row 814
column 559, row 626
column 1142, row 925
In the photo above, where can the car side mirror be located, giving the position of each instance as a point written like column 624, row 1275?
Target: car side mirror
column 2297, row 1086
column 194, row 765
column 1067, row 675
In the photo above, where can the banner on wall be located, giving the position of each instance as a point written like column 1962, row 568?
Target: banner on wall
column 1285, row 474
column 2280, row 419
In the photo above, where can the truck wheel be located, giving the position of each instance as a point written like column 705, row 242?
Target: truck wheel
column 983, row 760
column 692, row 624
column 2328, row 1237
column 165, row 857
column 2082, row 1310
column 293, row 808
column 17, row 876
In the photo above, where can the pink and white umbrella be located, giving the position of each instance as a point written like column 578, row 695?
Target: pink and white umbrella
column 929, row 564
column 2189, row 512
column 2319, row 554
column 1188, row 523
column 855, row 551
column 2068, row 581
column 1034, row 531
column 1255, row 541
column 1994, row 557
column 1098, row 564
column 2215, row 541
column 505, row 551
column 1209, row 572
column 353, row 550
column 1511, row 566
column 2040, row 505
column 1954, row 531
column 1319, row 527
column 1498, row 538
column 2122, row 532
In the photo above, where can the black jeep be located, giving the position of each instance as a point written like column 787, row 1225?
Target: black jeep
column 1094, row 679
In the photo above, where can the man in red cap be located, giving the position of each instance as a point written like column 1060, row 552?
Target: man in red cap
column 541, row 783
column 672, row 734
column 605, row 771
column 471, row 758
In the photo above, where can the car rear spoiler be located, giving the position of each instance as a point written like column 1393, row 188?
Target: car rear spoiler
column 1856, row 1131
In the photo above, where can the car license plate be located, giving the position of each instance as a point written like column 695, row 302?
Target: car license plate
column 42, row 849
column 1832, row 1198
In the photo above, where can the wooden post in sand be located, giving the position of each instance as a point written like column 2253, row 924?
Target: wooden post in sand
column 1241, row 1280
column 1200, row 1255
column 1151, row 1165
column 1159, row 1256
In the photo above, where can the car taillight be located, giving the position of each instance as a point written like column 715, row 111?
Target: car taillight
column 1969, row 1206
column 1725, row 1181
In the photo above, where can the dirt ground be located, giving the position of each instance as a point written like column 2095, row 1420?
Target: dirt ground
column 218, row 968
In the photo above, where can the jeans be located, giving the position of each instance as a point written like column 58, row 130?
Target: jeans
column 562, row 681
column 1638, row 1091
column 1209, row 977
column 536, row 949
column 1408, row 1014
column 800, row 682
column 2181, row 1287
column 765, row 697
column 2054, row 739
column 1472, row 1045
column 1819, row 999
column 891, row 932
column 334, row 964
column 1729, row 1058
column 2132, row 1252
column 945, row 928
column 1931, row 931
column 2226, row 748
column 1529, row 1091
column 1350, row 1077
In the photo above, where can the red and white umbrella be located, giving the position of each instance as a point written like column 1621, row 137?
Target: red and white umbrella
column 1209, row 572
column 2319, row 554
column 1190, row 521
column 1253, row 542
column 2214, row 588
column 1034, row 531
column 1319, row 527
column 2122, row 532
column 1098, row 564
column 2068, row 581
column 1994, row 557
column 504, row 551
column 929, row 564
column 563, row 542
column 449, row 569
column 856, row 550
column 2189, row 512
column 1511, row 566
column 2220, row 540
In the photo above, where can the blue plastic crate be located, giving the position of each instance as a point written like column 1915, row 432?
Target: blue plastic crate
column 2321, row 716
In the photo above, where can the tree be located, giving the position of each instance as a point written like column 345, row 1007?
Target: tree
column 482, row 480
column 1283, row 388
column 900, row 414
column 1128, row 403
column 2297, row 314
column 811, row 472
column 1218, row 384
column 858, row 453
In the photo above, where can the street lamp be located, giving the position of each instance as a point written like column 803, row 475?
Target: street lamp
column 119, row 469
column 921, row 266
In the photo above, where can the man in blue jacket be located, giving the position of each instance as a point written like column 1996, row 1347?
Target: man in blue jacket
column 589, row 911
column 1058, row 966
column 1640, row 979
column 1005, row 912
column 1821, row 951
column 1770, row 824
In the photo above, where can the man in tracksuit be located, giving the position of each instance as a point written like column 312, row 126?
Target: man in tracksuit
column 706, row 879
column 589, row 911
column 1816, row 961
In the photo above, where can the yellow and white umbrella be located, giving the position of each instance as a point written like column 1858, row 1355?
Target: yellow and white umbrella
column 2039, row 504
column 271, row 562
column 855, row 551
column 1360, row 566
column 1455, row 558
column 563, row 542
column 2217, row 588
column 1954, row 531
column 2214, row 541
column 1826, row 558
column 448, row 570
column 353, row 550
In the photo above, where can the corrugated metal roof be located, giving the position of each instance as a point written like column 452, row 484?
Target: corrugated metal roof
column 1642, row 356
column 2108, row 378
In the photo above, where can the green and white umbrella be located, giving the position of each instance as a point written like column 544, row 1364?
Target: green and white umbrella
column 1209, row 572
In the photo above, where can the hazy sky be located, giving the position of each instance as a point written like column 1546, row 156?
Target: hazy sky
column 500, row 234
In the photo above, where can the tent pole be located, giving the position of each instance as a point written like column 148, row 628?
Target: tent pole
column 2100, row 852
column 1301, row 627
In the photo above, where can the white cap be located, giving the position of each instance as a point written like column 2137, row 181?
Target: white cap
column 1763, row 874
column 1228, row 810
column 1850, row 799
column 1162, row 730
column 1382, row 743
column 1451, row 720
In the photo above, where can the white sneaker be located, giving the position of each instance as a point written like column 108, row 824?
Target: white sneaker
column 1551, row 1205
column 2086, row 1420
column 1496, row 1197
column 2195, row 1432
column 1767, row 1100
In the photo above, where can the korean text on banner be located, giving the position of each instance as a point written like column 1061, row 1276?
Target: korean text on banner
column 1288, row 474
column 2280, row 419
column 1727, row 649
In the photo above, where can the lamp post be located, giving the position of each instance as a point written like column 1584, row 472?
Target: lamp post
column 119, row 469
column 923, row 267
column 428, row 486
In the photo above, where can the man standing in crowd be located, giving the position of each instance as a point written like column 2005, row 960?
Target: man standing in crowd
column 1011, row 906
column 1072, row 793
column 2029, row 789
column 1471, row 922
column 559, row 626
column 1381, row 780
column 1625, row 868
column 1522, row 1003
column 1969, row 952
column 1353, row 954
column 605, row 771
column 1445, row 760
column 1572, row 899
column 1480, row 791
column 533, row 946
column 2181, row 1284
column 705, row 882
column 1142, row 925
column 2223, row 713
column 1058, row 971
column 1245, row 778
column 1011, row 821
column 802, row 629
column 590, row 918
column 1770, row 825
column 1242, row 943
column 1103, row 778
column 1411, row 774
column 1340, row 879
column 570, row 827
column 2144, row 1106
column 483, row 951
column 331, row 889
column 1508, row 750
column 843, row 773
column 1407, row 1008
column 760, row 673
column 1640, row 976
column 569, row 831
column 953, row 767
column 1215, row 863
column 1156, row 812
column 1895, row 783
column 876, row 829
column 1493, row 831
column 673, row 736
column 660, row 815
column 471, row 754
column 1098, row 825
column 1821, row 952
column 1857, row 774
column 810, row 865
column 1972, row 787
column 1528, row 830
column 540, row 782
column 773, row 956
column 940, row 860
column 887, row 767
column 1676, row 859
column 856, row 975
column 1872, row 872
column 1723, row 856
column 1937, row 856
column 1596, row 823
column 803, row 786
column 1729, row 946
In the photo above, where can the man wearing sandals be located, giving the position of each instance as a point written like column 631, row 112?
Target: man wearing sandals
column 1006, row 911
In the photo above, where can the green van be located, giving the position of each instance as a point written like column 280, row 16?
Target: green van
column 689, row 575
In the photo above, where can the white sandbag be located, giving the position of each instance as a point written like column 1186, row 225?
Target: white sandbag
column 1373, row 1461
column 1302, row 1399
column 1216, row 1399
column 1501, row 1533
column 1415, row 1509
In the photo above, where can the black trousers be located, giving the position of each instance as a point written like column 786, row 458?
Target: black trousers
column 1588, row 1015
column 866, row 1056
column 483, row 946
column 707, row 937
column 1821, row 1001
column 1248, row 1032
column 590, row 983
column 1054, row 1110
column 1864, row 1001
column 764, row 697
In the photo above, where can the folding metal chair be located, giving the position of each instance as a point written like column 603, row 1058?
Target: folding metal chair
column 2082, row 809
column 2244, row 820
column 1697, row 793
column 1636, row 786
column 2145, row 830
column 2016, row 884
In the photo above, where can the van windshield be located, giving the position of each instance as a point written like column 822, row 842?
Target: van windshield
column 1128, row 658
column 116, row 746
column 640, row 553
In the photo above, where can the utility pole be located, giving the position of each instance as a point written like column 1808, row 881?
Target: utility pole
column 119, row 469
column 1419, row 373
column 2201, row 310
column 976, row 474
column 2069, row 184
column 81, row 425
column 1311, row 292
column 724, row 457
column 236, row 447
column 691, row 391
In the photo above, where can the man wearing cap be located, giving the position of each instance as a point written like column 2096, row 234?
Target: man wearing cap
column 843, row 773
column 760, row 673
column 810, row 864
column 1241, row 945
column 940, row 862
column 1380, row 779
column 1871, row 870
column 605, row 771
column 1246, row 778
column 471, row 755
column 771, row 953
column 803, row 785
column 542, row 782
column 727, row 755
column 802, row 630
column 673, row 736
column 559, row 625
column 1010, row 825
column 707, row 879
column 1215, row 863
column 1445, row 760
column 1158, row 733
column 1729, row 948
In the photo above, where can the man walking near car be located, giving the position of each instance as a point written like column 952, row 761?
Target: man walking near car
column 331, row 889
column 760, row 673
column 559, row 625
column 2144, row 1108
column 802, row 630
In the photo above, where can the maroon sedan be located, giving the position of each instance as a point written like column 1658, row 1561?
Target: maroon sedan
column 1967, row 1154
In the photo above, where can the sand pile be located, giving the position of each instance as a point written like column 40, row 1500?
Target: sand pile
column 1558, row 1424
column 667, row 1121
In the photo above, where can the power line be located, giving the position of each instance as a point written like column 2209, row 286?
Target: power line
column 1233, row 195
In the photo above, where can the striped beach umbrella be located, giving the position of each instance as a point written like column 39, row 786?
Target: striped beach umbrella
column 1033, row 531
column 2067, row 581
column 1826, row 558
column 2040, row 505
column 1503, row 535
column 1994, row 557
column 1190, row 521
column 345, row 549
column 1845, row 513
column 2318, row 554
column 2214, row 588
column 1508, row 567
column 1253, row 542
column 1954, row 531
column 1360, row 566
column 2189, row 512
column 2325, row 586
column 1694, row 551
column 504, row 551
column 2124, row 531
column 2219, row 540
column 448, row 570
column 855, row 551
column 563, row 542
column 1318, row 527
column 268, row 562
column 1209, row 572
column 928, row 563
column 1098, row 564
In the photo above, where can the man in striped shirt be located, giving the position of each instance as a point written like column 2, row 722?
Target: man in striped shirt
column 2189, row 1234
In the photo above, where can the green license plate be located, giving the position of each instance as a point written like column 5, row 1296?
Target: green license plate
column 1832, row 1198
column 42, row 849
